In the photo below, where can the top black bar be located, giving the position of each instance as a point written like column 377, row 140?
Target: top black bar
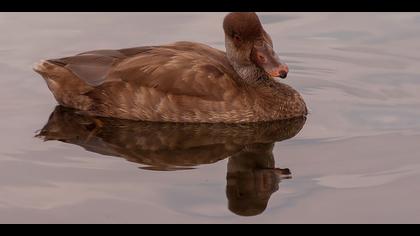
column 211, row 5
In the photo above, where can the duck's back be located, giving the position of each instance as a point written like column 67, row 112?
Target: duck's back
column 181, row 82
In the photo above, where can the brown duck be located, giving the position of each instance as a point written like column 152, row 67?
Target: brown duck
column 181, row 82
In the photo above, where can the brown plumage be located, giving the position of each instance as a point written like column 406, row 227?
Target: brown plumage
column 180, row 82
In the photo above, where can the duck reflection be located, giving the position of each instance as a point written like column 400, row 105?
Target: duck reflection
column 251, row 173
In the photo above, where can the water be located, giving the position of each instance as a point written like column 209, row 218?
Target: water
column 355, row 159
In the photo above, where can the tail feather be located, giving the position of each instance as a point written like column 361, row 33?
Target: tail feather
column 44, row 67
column 66, row 87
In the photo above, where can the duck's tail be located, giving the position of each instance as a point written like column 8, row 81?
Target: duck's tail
column 48, row 71
column 67, row 89
column 40, row 67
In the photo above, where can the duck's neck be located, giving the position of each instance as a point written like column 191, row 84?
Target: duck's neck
column 247, row 70
column 249, row 73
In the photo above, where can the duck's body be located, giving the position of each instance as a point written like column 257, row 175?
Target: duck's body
column 180, row 82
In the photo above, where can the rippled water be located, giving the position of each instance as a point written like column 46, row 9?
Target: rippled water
column 356, row 159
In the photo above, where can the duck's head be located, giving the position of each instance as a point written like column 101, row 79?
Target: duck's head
column 250, row 49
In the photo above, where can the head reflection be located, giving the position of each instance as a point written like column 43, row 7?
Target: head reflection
column 252, row 178
column 251, row 174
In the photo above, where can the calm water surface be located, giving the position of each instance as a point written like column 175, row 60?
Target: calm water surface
column 356, row 159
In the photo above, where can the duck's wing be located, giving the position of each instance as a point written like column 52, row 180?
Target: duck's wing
column 183, row 68
column 189, row 69
column 93, row 67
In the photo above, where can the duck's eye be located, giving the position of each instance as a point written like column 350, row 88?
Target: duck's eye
column 262, row 58
column 237, row 37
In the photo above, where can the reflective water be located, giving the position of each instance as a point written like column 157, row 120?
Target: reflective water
column 355, row 159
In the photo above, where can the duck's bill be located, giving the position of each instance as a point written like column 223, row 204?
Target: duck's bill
column 267, row 59
column 278, row 72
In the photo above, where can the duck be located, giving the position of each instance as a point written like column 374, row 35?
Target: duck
column 186, row 82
